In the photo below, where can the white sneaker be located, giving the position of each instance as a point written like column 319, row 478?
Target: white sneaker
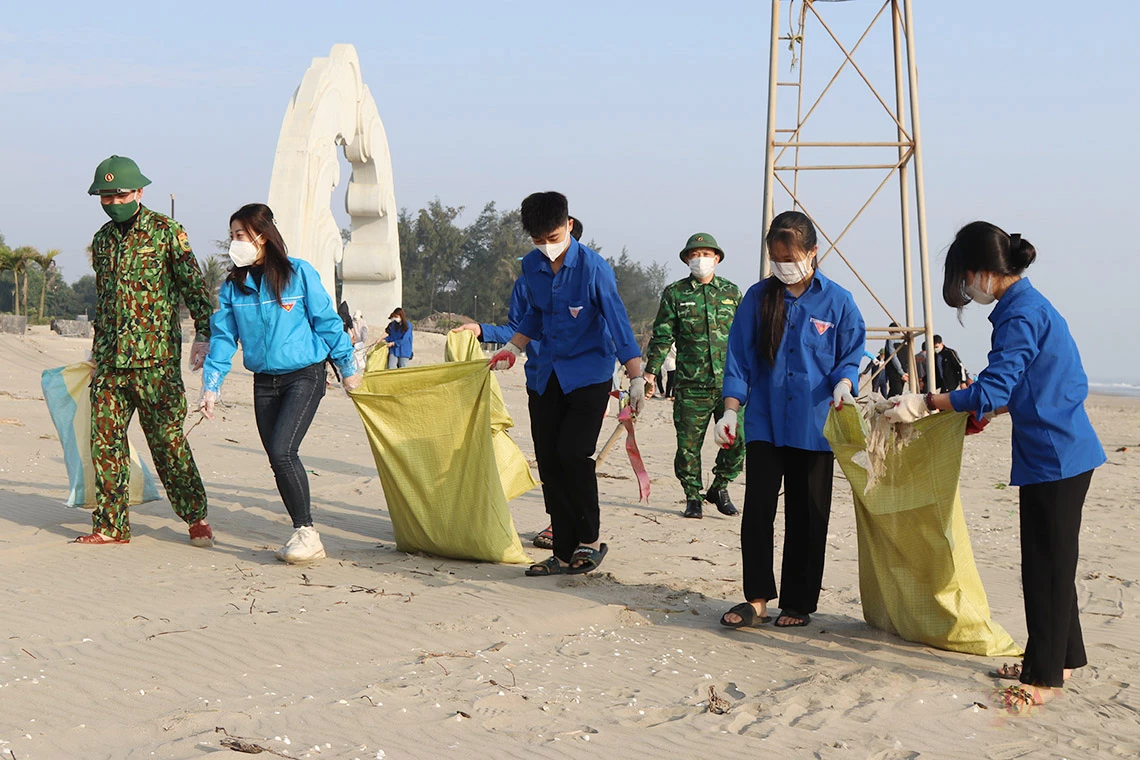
column 303, row 546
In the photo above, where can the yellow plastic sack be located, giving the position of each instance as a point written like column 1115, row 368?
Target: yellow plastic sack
column 377, row 358
column 917, row 576
column 513, row 468
column 67, row 391
column 432, row 432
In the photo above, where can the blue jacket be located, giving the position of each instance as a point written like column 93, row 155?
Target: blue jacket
column 1034, row 369
column 277, row 338
column 579, row 317
column 503, row 333
column 823, row 343
column 401, row 340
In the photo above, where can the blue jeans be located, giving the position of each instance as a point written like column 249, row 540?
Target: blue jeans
column 395, row 362
column 284, row 406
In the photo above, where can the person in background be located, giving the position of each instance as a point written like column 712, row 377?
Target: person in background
column 574, row 308
column 399, row 339
column 1035, row 374
column 948, row 367
column 279, row 311
column 489, row 333
column 668, row 372
column 920, row 368
column 793, row 351
column 898, row 362
column 143, row 266
column 695, row 315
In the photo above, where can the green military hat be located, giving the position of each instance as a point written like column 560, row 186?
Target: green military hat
column 115, row 175
column 701, row 240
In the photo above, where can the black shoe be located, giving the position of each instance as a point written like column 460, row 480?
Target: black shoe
column 724, row 504
column 693, row 509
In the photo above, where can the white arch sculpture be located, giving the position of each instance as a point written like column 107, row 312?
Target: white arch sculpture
column 333, row 107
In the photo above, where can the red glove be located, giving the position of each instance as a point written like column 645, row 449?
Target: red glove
column 975, row 424
column 505, row 359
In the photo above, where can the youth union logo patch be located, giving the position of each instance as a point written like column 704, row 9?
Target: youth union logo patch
column 820, row 326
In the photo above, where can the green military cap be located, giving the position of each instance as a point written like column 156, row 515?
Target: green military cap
column 115, row 175
column 701, row 240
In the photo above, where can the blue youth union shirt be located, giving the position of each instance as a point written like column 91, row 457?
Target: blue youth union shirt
column 1034, row 368
column 503, row 333
column 823, row 343
column 579, row 317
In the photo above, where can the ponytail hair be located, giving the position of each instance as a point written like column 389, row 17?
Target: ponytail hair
column 794, row 231
column 982, row 247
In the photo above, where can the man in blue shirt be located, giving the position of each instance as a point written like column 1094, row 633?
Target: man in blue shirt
column 574, row 308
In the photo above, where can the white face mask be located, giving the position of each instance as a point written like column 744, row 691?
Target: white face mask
column 978, row 296
column 702, row 266
column 242, row 252
column 553, row 250
column 791, row 272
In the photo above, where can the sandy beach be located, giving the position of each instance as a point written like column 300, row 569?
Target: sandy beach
column 144, row 650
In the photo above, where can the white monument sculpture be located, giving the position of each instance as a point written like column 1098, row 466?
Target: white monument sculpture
column 333, row 107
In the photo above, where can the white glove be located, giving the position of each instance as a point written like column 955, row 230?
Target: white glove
column 637, row 394
column 842, row 394
column 505, row 359
column 725, row 431
column 352, row 382
column 206, row 404
column 199, row 350
column 909, row 407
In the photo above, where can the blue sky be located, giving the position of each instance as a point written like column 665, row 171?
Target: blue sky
column 649, row 116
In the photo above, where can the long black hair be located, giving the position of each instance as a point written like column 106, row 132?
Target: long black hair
column 982, row 247
column 257, row 218
column 794, row 231
column 398, row 318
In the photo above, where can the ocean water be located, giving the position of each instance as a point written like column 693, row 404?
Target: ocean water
column 1115, row 389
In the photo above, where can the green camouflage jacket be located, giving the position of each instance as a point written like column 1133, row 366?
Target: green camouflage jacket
column 141, row 270
column 697, row 318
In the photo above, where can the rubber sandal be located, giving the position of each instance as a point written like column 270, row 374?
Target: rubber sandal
column 545, row 539
column 804, row 619
column 201, row 535
column 1008, row 672
column 590, row 559
column 98, row 539
column 549, row 566
column 747, row 614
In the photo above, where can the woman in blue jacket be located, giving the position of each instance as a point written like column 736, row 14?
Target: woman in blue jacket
column 1035, row 374
column 793, row 350
column 399, row 340
column 278, row 309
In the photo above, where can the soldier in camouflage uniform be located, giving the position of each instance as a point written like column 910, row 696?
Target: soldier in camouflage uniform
column 696, row 314
column 143, row 264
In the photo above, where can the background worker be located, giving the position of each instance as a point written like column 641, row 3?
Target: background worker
column 696, row 314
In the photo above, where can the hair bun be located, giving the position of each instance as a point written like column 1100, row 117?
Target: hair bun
column 1021, row 251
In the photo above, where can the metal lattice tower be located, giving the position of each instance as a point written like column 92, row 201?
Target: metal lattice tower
column 782, row 170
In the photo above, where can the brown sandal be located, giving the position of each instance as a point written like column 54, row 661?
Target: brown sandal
column 97, row 539
column 1017, row 699
column 1008, row 672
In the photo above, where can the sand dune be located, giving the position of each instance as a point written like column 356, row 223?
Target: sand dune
column 141, row 651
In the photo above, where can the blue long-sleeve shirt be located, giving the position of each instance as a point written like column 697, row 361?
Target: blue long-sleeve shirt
column 276, row 338
column 579, row 317
column 823, row 343
column 503, row 333
column 401, row 340
column 1034, row 368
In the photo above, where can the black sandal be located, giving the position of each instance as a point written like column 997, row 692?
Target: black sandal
column 747, row 614
column 545, row 539
column 590, row 559
column 802, row 617
column 549, row 566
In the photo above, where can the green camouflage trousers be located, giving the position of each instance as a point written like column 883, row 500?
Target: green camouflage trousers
column 160, row 398
column 692, row 410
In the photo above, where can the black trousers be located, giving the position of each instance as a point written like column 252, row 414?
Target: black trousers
column 1050, row 527
column 806, row 477
column 284, row 407
column 565, row 429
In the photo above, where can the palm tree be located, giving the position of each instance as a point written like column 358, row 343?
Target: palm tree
column 48, row 265
column 22, row 256
column 214, row 273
